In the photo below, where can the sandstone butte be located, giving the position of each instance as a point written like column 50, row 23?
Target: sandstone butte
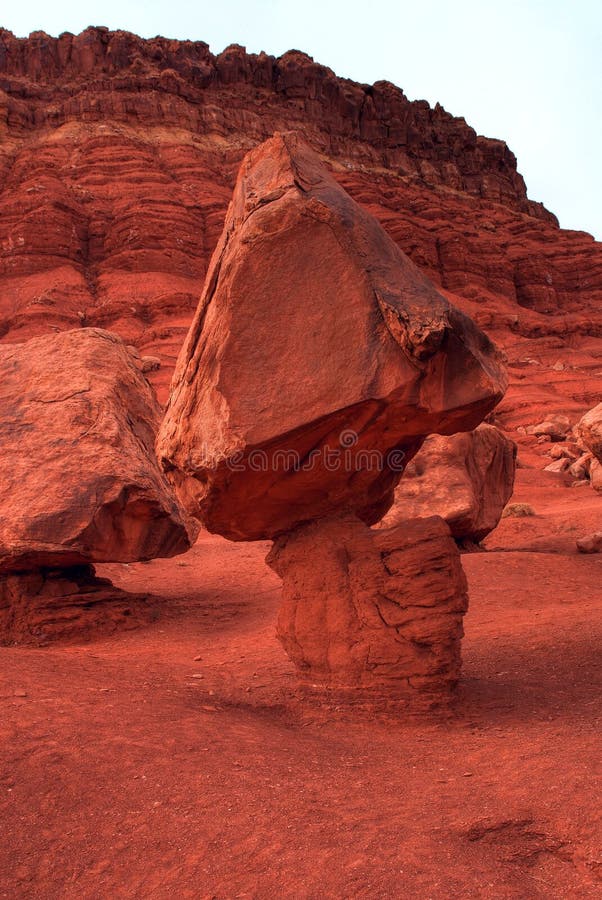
column 315, row 339
column 79, row 480
column 117, row 161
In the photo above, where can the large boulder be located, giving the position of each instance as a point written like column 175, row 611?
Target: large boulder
column 319, row 359
column 79, row 481
column 589, row 431
column 465, row 478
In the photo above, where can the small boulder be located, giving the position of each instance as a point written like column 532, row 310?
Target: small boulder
column 595, row 475
column 581, row 467
column 150, row 364
column 555, row 428
column 592, row 543
column 558, row 465
column 589, row 431
column 562, row 451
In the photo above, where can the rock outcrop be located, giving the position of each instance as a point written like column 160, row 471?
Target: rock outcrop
column 318, row 361
column 379, row 610
column 117, row 160
column 48, row 604
column 79, row 481
column 466, row 478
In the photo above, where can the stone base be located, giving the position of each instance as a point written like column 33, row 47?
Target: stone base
column 373, row 610
column 50, row 604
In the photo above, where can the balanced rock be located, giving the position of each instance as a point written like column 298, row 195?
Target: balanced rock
column 466, row 478
column 79, row 481
column 318, row 361
column 376, row 609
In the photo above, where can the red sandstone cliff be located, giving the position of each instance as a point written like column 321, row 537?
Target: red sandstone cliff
column 117, row 160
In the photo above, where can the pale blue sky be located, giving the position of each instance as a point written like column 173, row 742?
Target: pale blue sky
column 528, row 72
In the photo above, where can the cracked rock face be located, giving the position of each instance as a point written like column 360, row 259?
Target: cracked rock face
column 319, row 359
column 79, row 482
column 375, row 609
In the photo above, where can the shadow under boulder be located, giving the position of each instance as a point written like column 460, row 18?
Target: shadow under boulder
column 79, row 484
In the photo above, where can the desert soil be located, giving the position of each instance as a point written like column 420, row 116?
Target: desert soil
column 180, row 759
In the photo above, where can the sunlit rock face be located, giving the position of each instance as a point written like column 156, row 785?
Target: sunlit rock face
column 318, row 361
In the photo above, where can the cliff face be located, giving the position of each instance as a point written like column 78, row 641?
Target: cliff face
column 118, row 157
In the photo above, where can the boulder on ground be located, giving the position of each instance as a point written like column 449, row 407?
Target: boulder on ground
column 466, row 478
column 581, row 467
column 320, row 357
column 555, row 428
column 563, row 451
column 591, row 543
column 595, row 474
column 589, row 431
column 79, row 481
column 558, row 466
column 377, row 609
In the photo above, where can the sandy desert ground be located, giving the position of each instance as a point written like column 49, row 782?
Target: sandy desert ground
column 179, row 758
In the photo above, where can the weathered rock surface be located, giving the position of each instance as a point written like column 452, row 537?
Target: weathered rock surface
column 580, row 468
column 79, row 482
column 374, row 609
column 558, row 466
column 315, row 340
column 466, row 478
column 48, row 604
column 117, row 162
column 591, row 543
column 589, row 431
column 595, row 474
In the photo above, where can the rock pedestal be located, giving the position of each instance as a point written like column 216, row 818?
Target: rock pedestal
column 378, row 610
column 319, row 360
column 39, row 606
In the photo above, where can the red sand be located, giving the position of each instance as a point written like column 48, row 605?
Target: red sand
column 130, row 768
